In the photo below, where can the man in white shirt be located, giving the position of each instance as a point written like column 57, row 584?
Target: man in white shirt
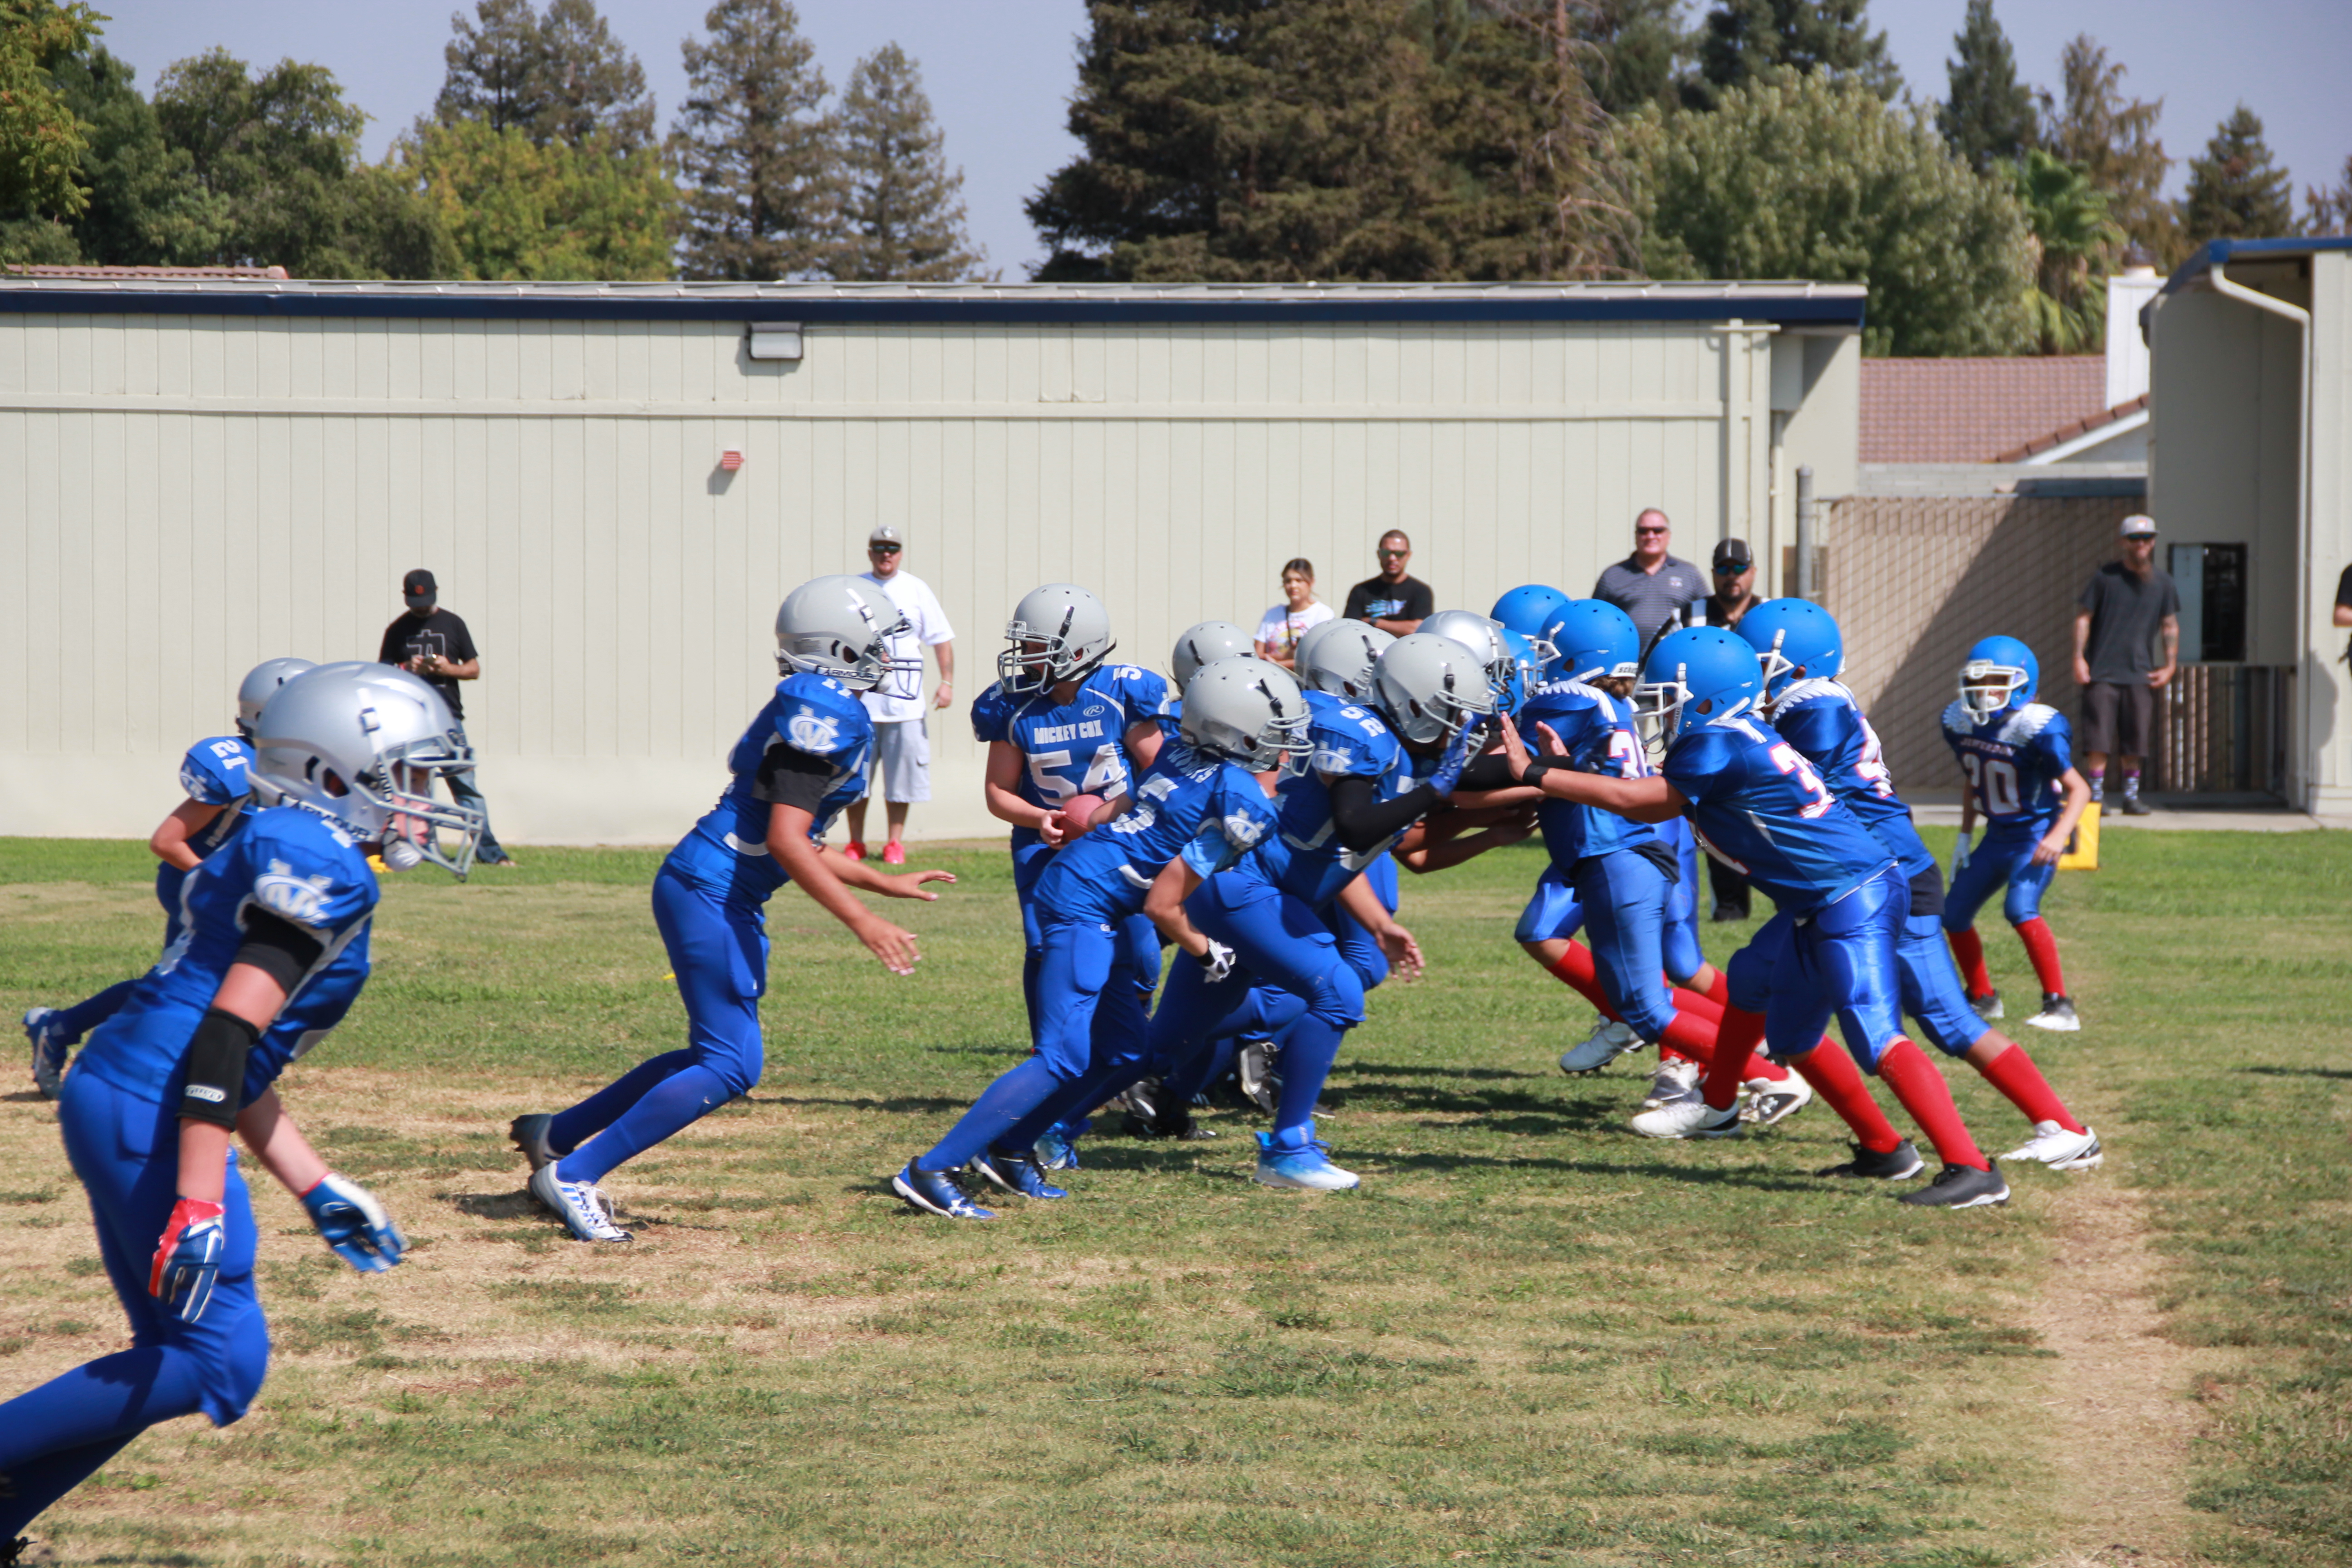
column 902, row 737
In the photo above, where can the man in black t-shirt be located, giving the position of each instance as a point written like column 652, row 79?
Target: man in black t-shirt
column 2343, row 607
column 433, row 643
column 2128, row 609
column 1395, row 602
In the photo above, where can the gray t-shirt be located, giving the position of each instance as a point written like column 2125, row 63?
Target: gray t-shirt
column 1653, row 598
column 2125, row 612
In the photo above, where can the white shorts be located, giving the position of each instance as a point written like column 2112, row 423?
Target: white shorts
column 902, row 755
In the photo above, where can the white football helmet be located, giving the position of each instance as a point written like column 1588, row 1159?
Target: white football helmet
column 260, row 684
column 839, row 626
column 362, row 744
column 1481, row 636
column 1059, row 632
column 1430, row 686
column 1249, row 711
column 1338, row 657
column 1203, row 645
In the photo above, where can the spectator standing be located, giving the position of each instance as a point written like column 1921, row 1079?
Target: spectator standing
column 1656, row 590
column 1734, row 596
column 1279, row 629
column 1395, row 602
column 902, row 736
column 432, row 642
column 2343, row 607
column 2127, row 608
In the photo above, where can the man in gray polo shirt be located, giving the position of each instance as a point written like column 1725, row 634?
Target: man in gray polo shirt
column 1655, row 589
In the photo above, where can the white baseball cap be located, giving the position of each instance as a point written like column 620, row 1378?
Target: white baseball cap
column 2139, row 525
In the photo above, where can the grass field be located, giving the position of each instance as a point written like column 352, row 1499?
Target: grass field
column 1530, row 1338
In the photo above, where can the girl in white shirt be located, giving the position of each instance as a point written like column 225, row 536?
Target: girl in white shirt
column 1280, row 629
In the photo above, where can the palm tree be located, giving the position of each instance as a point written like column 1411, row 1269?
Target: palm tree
column 2075, row 245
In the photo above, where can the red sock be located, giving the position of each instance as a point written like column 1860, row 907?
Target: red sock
column 1923, row 1092
column 2042, row 949
column 1688, row 1001
column 1968, row 947
column 1719, row 990
column 1741, row 1033
column 1575, row 970
column 1691, row 1035
column 1836, row 1080
column 2013, row 1073
column 1764, row 1067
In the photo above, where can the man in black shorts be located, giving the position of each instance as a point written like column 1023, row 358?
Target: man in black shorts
column 2128, row 606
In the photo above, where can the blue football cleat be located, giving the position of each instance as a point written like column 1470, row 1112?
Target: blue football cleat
column 935, row 1192
column 1017, row 1173
column 1307, row 1167
column 1058, row 1150
column 49, row 1050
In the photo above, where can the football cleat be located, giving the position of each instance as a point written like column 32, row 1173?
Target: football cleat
column 529, row 1134
column 1258, row 1066
column 1017, row 1173
column 1058, row 1150
column 2054, row 1146
column 2057, row 1014
column 582, row 1206
column 1772, row 1100
column 1307, row 1169
column 1960, row 1187
column 1609, row 1040
column 48, row 1050
column 1168, row 1121
column 935, row 1192
column 1142, row 1102
column 1689, row 1118
column 1988, row 1006
column 1675, row 1079
column 1896, row 1165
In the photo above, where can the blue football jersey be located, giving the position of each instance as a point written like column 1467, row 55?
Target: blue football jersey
column 1597, row 730
column 1072, row 748
column 1758, row 805
column 1303, row 856
column 1207, row 810
column 2014, row 761
column 726, row 855
column 1822, row 719
column 293, row 862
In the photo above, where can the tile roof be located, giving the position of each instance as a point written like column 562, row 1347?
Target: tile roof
column 1970, row 410
column 2066, row 433
column 144, row 274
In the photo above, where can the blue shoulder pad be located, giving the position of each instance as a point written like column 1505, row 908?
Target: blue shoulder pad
column 304, row 868
column 1239, row 818
column 1700, row 757
column 992, row 716
column 1142, row 694
column 819, row 716
column 1348, row 740
column 215, row 772
column 1816, row 726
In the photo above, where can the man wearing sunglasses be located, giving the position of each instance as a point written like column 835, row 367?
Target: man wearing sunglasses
column 1395, row 602
column 1655, row 589
column 902, row 740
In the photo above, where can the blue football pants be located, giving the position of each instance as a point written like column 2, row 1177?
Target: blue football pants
column 1992, row 863
column 1839, row 963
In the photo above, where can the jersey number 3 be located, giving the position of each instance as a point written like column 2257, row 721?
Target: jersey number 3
column 1788, row 760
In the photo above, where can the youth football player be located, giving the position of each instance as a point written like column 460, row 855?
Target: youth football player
column 800, row 761
column 2018, row 757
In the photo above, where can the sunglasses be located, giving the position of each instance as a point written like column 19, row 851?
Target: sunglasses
column 1392, row 554
column 884, row 549
column 1640, row 532
column 1730, row 571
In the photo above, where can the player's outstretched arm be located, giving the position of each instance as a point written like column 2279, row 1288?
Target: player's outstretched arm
column 348, row 1217
column 169, row 840
column 1436, row 854
column 2078, row 799
column 870, row 877
column 1403, row 952
column 788, row 841
column 1649, row 799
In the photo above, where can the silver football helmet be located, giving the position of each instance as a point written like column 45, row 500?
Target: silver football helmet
column 1203, row 645
column 1249, row 711
column 1481, row 636
column 1059, row 632
column 1430, row 686
column 362, row 744
column 1338, row 657
column 260, row 684
column 839, row 626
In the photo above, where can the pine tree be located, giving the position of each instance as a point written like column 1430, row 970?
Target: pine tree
column 1741, row 40
column 2331, row 211
column 757, row 149
column 493, row 67
column 2113, row 142
column 1989, row 118
column 1633, row 50
column 902, row 210
column 559, row 78
column 2235, row 191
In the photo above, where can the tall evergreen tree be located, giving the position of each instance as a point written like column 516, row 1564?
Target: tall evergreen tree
column 902, row 209
column 1741, row 40
column 558, row 77
column 2235, row 191
column 2331, row 210
column 2113, row 141
column 757, row 149
column 1631, row 50
column 1989, row 118
column 493, row 66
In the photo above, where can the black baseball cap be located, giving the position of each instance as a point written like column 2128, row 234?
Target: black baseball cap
column 419, row 589
column 1732, row 555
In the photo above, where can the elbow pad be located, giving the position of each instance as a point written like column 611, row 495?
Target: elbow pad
column 215, row 1086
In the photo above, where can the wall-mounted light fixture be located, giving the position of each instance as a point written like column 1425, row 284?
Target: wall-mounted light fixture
column 775, row 339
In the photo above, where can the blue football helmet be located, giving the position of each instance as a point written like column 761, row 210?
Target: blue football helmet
column 1592, row 639
column 1699, row 674
column 1790, row 635
column 1527, row 610
column 2000, row 673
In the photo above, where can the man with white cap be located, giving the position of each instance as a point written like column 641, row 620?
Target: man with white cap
column 2128, row 607
column 902, row 737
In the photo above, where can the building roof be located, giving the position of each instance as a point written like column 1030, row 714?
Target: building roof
column 1970, row 410
column 1836, row 307
column 2221, row 252
column 2074, row 430
column 133, row 274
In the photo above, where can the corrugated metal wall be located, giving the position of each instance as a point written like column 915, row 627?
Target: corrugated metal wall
column 182, row 497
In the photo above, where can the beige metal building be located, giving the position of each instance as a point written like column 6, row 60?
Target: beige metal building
column 200, row 476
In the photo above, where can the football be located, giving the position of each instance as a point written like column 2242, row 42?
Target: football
column 1079, row 812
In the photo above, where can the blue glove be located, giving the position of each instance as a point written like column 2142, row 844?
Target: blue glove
column 354, row 1224
column 187, row 1258
column 1468, row 742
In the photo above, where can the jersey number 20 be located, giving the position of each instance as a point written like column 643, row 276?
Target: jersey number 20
column 1995, row 782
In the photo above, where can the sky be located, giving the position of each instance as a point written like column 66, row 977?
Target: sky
column 1000, row 72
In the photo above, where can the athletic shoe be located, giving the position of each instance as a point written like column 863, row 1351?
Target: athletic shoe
column 854, row 850
column 1142, row 1102
column 1609, row 1040
column 49, row 1050
column 1774, row 1099
column 2135, row 807
column 894, row 853
column 582, row 1206
column 2054, row 1146
column 1309, row 1169
column 1675, row 1079
column 26, row 1552
column 1057, row 1150
column 1691, row 1117
column 1015, row 1173
column 1988, row 1006
column 1960, row 1187
column 529, row 1135
column 1258, row 1066
column 2057, row 1014
column 1170, row 1121
column 1897, row 1163
column 935, row 1192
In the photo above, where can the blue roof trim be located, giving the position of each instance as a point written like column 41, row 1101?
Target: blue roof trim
column 2221, row 252
column 1791, row 310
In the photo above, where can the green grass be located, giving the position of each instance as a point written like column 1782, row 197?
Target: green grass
column 1530, row 1338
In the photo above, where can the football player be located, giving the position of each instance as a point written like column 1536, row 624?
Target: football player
column 2018, row 757
column 213, row 775
column 148, row 1111
column 1802, row 652
column 1193, row 812
column 1528, row 610
column 800, row 761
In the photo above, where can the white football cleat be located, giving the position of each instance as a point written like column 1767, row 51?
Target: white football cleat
column 1690, row 1118
column 1609, row 1039
column 1774, row 1099
column 582, row 1206
column 2057, row 1014
column 2054, row 1146
column 1676, row 1078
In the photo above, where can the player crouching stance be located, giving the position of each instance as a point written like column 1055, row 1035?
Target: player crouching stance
column 277, row 918
column 800, row 761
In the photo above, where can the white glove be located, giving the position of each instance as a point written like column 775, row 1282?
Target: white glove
column 1219, row 960
column 1960, row 856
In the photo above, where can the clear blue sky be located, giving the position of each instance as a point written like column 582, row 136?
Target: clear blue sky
column 1000, row 72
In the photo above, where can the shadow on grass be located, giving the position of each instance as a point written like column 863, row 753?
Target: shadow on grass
column 1400, row 1070
column 495, row 1205
column 933, row 1105
column 2345, row 1073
